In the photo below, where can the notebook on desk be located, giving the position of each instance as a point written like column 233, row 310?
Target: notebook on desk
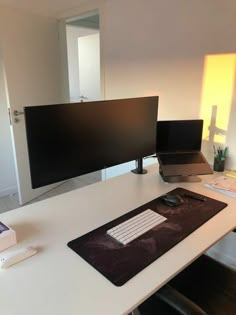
column 178, row 148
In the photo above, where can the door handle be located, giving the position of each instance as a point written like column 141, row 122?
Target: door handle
column 17, row 113
column 82, row 98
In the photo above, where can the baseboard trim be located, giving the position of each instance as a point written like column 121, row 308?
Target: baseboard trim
column 8, row 191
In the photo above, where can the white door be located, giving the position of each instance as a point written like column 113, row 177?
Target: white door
column 30, row 53
column 89, row 67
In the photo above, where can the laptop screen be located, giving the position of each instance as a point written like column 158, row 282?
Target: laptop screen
column 179, row 135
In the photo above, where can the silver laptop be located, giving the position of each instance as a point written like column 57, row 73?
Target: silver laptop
column 178, row 148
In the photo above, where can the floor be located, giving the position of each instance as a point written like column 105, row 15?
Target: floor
column 11, row 202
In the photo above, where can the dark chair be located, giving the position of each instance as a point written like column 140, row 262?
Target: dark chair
column 204, row 287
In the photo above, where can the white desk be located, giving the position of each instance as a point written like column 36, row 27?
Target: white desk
column 57, row 281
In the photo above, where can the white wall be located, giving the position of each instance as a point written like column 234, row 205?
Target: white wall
column 7, row 167
column 72, row 35
column 159, row 47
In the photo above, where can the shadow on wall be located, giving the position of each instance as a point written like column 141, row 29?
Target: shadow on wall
column 217, row 106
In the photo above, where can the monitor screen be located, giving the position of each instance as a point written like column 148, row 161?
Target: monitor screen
column 179, row 135
column 68, row 140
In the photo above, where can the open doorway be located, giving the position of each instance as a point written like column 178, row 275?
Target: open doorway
column 83, row 53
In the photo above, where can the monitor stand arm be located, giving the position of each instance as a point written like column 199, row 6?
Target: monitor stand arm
column 139, row 167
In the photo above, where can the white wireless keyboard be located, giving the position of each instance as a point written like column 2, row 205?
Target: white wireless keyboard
column 131, row 229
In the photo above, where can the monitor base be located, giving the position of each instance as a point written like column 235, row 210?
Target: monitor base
column 139, row 168
column 136, row 171
column 179, row 179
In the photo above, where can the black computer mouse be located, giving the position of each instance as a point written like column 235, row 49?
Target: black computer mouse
column 172, row 200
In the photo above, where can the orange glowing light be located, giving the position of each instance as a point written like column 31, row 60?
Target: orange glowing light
column 217, row 94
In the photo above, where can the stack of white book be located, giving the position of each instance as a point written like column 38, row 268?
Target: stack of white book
column 224, row 184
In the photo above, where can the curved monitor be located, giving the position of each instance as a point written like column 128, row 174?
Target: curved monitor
column 68, row 140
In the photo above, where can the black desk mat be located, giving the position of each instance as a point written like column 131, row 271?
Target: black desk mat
column 119, row 263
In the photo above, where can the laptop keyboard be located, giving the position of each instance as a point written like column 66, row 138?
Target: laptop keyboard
column 181, row 158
